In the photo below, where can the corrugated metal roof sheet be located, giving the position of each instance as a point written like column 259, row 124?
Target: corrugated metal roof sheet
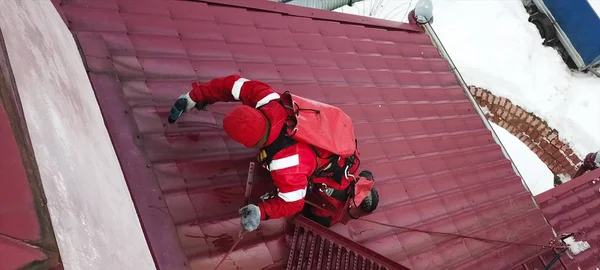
column 574, row 207
column 315, row 247
column 20, row 224
column 437, row 166
column 546, row 258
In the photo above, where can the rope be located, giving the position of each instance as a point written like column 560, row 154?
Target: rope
column 463, row 236
column 555, row 259
column 241, row 235
column 242, row 231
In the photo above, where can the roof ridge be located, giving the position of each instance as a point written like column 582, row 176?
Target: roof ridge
column 567, row 186
column 313, row 13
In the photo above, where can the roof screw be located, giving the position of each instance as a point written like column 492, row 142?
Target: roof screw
column 148, row 165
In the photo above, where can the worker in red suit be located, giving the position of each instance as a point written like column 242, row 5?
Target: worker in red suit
column 294, row 166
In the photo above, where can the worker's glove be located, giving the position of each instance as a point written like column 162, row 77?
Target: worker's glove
column 184, row 104
column 250, row 217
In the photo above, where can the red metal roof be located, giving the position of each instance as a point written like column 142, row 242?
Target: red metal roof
column 20, row 223
column 315, row 247
column 574, row 207
column 437, row 166
column 26, row 237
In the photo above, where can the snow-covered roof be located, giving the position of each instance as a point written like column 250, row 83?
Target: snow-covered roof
column 437, row 166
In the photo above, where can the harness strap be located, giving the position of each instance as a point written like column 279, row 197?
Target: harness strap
column 332, row 169
column 338, row 194
column 268, row 152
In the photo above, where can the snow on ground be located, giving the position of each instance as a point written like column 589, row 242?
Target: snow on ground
column 595, row 5
column 495, row 47
column 535, row 173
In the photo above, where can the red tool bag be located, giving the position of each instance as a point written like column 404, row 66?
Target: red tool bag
column 320, row 125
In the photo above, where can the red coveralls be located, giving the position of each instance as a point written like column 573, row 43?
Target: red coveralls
column 291, row 168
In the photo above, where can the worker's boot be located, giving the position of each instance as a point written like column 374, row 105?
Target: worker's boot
column 369, row 204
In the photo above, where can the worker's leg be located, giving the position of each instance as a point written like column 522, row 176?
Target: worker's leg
column 317, row 215
column 323, row 217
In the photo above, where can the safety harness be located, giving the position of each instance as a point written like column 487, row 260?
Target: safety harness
column 307, row 121
column 330, row 169
column 327, row 167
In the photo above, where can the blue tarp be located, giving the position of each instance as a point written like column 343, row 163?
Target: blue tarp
column 581, row 24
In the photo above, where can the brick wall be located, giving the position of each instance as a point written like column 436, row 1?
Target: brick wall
column 530, row 129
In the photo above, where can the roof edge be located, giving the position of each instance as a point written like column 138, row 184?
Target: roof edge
column 327, row 15
column 11, row 103
column 346, row 243
column 574, row 183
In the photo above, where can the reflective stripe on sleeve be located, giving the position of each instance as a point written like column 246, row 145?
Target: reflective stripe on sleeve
column 282, row 163
column 267, row 99
column 237, row 88
column 293, row 196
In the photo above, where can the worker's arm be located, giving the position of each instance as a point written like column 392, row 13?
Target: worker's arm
column 233, row 88
column 289, row 201
column 290, row 169
column 230, row 88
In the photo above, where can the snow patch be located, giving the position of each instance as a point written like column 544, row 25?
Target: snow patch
column 576, row 247
column 595, row 6
column 534, row 172
column 485, row 110
column 564, row 177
